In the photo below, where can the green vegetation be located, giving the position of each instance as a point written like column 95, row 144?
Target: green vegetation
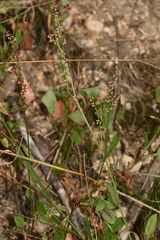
column 75, row 114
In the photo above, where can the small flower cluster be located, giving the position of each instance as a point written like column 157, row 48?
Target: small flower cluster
column 101, row 110
column 60, row 42
column 14, row 46
column 26, row 92
column 57, row 36
column 12, row 51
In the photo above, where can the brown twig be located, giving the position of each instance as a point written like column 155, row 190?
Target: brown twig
column 7, row 152
column 84, row 60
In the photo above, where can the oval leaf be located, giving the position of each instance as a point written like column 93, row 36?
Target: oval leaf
column 49, row 100
column 40, row 207
column 115, row 140
column 59, row 110
column 109, row 217
column 100, row 204
column 151, row 226
column 77, row 117
column 59, row 235
column 92, row 92
column 19, row 221
column 113, row 193
column 64, row 2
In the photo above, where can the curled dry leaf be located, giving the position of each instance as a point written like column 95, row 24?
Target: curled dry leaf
column 128, row 161
column 125, row 235
column 59, row 110
column 72, row 105
column 136, row 167
column 60, row 107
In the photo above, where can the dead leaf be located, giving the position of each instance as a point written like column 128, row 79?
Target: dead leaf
column 69, row 237
column 25, row 29
column 72, row 105
column 3, row 109
column 59, row 111
column 128, row 161
column 136, row 167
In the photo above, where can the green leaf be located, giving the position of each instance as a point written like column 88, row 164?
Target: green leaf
column 40, row 207
column 92, row 92
column 2, row 29
column 100, row 204
column 77, row 134
column 37, row 179
column 109, row 216
column 18, row 36
column 151, row 226
column 118, row 224
column 64, row 17
column 107, row 115
column 77, row 117
column 44, row 237
column 110, row 205
column 158, row 154
column 55, row 220
column 113, row 144
column 1, row 52
column 56, row 171
column 5, row 46
column 158, row 94
column 87, row 229
column 29, row 193
column 49, row 100
column 113, row 193
column 5, row 142
column 2, row 69
column 19, row 221
column 59, row 207
column 44, row 218
column 109, row 234
column 120, row 115
column 64, row 2
column 12, row 125
column 59, row 235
